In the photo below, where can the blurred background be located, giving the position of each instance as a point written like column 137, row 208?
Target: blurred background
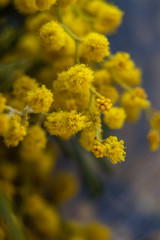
column 131, row 199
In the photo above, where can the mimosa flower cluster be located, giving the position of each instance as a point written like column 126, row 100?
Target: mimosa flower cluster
column 74, row 85
column 70, row 91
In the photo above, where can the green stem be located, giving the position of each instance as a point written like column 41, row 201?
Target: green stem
column 71, row 34
column 81, row 13
column 91, row 102
column 95, row 92
column 12, row 110
column 98, row 137
column 122, row 85
column 23, row 114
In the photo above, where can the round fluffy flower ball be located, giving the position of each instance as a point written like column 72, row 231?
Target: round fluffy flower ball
column 45, row 4
column 98, row 149
column 15, row 133
column 22, row 85
column 109, row 18
column 26, row 6
column 95, row 47
column 122, row 67
column 52, row 36
column 79, row 77
column 34, row 142
column 40, row 99
column 153, row 139
column 115, row 149
column 115, row 117
column 64, row 186
column 155, row 121
column 64, row 123
column 32, row 6
column 87, row 138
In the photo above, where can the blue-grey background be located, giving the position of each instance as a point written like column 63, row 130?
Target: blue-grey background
column 131, row 201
